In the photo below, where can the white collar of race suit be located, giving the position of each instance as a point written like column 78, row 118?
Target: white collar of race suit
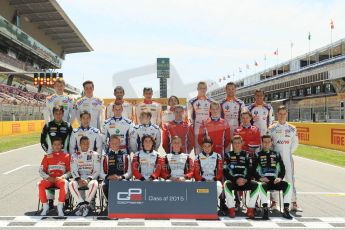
column 117, row 118
column 215, row 118
column 207, row 155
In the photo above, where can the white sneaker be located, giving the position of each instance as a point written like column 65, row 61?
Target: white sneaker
column 60, row 210
column 85, row 210
column 45, row 209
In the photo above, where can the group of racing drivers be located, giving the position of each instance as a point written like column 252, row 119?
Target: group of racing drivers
column 237, row 146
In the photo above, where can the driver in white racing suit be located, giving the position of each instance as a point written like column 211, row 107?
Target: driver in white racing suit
column 85, row 169
column 95, row 138
column 145, row 128
column 117, row 125
column 285, row 142
column 198, row 112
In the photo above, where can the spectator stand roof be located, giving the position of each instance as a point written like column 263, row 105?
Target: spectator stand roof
column 51, row 18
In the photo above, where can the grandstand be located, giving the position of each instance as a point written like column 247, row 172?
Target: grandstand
column 35, row 36
column 312, row 85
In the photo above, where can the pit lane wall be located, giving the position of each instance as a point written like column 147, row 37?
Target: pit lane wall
column 325, row 135
column 8, row 128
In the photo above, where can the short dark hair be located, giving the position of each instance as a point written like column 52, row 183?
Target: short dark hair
column 88, row 82
column 147, row 89
column 282, row 107
column 150, row 137
column 84, row 138
column 202, row 83
column 266, row 136
column 58, row 108
column 119, row 88
column 171, row 97
column 229, row 84
column 57, row 139
column 85, row 112
column 117, row 103
column 207, row 140
column 259, row 91
column 146, row 113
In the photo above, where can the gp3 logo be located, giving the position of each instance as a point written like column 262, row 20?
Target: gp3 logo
column 133, row 194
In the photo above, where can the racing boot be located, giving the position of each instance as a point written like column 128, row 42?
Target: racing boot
column 286, row 214
column 232, row 213
column 265, row 215
column 250, row 213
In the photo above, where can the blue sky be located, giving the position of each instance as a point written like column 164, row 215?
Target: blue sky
column 205, row 39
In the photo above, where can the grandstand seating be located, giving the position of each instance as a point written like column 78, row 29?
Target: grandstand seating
column 20, row 104
column 15, row 62
column 13, row 95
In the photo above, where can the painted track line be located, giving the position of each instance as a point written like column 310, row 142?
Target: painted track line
column 13, row 170
column 21, row 148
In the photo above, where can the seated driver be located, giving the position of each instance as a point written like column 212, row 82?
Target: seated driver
column 85, row 168
column 147, row 164
column 116, row 164
column 178, row 165
column 238, row 177
column 270, row 171
column 54, row 170
column 208, row 166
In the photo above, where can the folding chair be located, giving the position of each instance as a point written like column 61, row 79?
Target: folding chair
column 101, row 197
column 83, row 193
column 280, row 198
column 242, row 199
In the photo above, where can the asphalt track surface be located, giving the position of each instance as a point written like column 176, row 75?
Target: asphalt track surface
column 320, row 187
